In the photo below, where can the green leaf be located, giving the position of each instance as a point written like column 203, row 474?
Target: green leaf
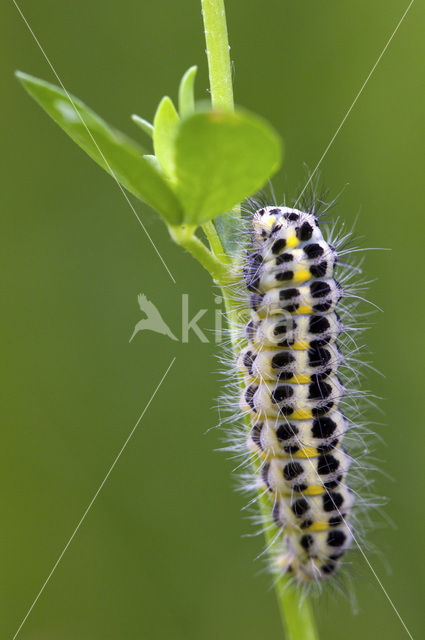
column 153, row 160
column 221, row 159
column 165, row 124
column 187, row 93
column 143, row 124
column 111, row 149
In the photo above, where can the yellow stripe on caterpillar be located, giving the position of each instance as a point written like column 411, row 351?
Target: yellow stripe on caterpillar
column 301, row 276
column 302, row 414
column 292, row 242
column 318, row 526
column 299, row 379
column 314, row 490
column 304, row 310
column 306, row 452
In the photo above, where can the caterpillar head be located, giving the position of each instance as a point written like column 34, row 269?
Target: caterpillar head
column 287, row 226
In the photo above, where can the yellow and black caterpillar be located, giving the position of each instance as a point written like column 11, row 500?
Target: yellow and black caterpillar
column 292, row 390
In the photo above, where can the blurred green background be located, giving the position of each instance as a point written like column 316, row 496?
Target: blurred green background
column 161, row 553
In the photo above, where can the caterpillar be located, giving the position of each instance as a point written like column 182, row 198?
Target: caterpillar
column 292, row 390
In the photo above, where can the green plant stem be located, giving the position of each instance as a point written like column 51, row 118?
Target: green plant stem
column 218, row 53
column 296, row 614
column 220, row 75
column 186, row 238
column 215, row 242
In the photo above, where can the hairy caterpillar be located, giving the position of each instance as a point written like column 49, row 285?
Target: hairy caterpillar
column 293, row 393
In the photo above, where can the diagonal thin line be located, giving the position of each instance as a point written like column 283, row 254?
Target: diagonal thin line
column 380, row 583
column 94, row 141
column 332, row 140
column 366, row 559
column 117, row 457
column 356, row 542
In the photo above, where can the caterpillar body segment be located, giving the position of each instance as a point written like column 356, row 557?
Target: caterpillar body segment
column 272, row 438
column 292, row 391
column 318, row 296
column 306, row 331
column 290, row 365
